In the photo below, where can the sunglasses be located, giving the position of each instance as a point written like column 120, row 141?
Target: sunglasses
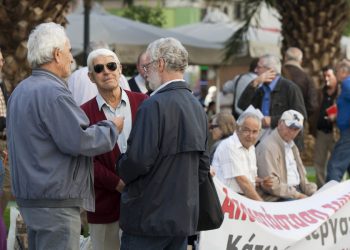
column 112, row 66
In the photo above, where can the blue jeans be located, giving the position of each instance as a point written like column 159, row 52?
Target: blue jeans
column 340, row 158
column 52, row 228
column 137, row 242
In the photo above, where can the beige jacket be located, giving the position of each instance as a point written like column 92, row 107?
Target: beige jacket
column 270, row 156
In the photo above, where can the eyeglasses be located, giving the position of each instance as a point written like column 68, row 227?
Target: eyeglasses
column 247, row 131
column 146, row 66
column 112, row 66
column 212, row 126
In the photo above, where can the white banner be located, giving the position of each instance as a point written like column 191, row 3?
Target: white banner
column 321, row 221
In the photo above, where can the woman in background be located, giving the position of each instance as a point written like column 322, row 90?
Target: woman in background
column 222, row 126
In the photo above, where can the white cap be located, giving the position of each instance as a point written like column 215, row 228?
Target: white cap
column 293, row 119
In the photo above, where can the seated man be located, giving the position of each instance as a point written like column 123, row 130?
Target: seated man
column 234, row 160
column 278, row 156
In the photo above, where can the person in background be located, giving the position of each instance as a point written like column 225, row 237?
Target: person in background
column 51, row 144
column 234, row 161
column 238, row 85
column 323, row 130
column 272, row 94
column 339, row 162
column 278, row 156
column 104, row 71
column 80, row 84
column 167, row 157
column 293, row 71
column 222, row 126
column 138, row 83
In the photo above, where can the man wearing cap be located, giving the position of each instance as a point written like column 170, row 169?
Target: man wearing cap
column 278, row 156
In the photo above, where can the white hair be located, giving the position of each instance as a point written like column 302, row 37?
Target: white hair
column 100, row 52
column 172, row 51
column 42, row 42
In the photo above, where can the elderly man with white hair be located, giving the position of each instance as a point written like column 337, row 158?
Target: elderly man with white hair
column 51, row 145
column 234, row 160
column 278, row 156
column 167, row 157
column 272, row 93
column 112, row 100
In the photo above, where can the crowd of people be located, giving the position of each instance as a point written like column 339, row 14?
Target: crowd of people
column 133, row 153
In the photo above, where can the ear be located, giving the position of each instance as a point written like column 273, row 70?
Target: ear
column 161, row 65
column 56, row 55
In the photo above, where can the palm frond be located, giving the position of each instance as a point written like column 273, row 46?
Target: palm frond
column 236, row 42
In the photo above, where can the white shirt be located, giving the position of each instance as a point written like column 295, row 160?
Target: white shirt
column 292, row 170
column 83, row 89
column 165, row 84
column 232, row 159
column 141, row 83
column 123, row 109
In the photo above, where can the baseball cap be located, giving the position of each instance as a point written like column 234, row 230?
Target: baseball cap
column 293, row 119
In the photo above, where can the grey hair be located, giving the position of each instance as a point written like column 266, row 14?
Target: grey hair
column 272, row 62
column 294, row 54
column 42, row 42
column 100, row 52
column 344, row 65
column 245, row 115
column 172, row 51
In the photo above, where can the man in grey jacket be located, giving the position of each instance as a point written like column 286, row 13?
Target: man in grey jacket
column 51, row 144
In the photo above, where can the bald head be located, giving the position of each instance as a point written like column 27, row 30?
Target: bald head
column 294, row 54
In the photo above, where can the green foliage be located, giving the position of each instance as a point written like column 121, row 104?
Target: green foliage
column 145, row 14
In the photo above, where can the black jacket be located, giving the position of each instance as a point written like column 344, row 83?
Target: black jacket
column 286, row 95
column 167, row 158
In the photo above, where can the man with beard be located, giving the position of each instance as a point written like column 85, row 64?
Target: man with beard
column 167, row 157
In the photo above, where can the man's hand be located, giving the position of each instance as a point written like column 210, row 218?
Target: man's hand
column 267, row 76
column 120, row 186
column 266, row 122
column 118, row 122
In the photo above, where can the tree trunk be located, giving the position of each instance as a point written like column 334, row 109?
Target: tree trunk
column 316, row 27
column 18, row 18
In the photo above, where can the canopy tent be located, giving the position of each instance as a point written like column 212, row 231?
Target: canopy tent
column 217, row 28
column 129, row 37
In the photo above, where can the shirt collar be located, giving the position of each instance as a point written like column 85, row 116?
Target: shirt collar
column 273, row 83
column 101, row 102
column 165, row 84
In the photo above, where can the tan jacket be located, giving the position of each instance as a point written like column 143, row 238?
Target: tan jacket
column 270, row 156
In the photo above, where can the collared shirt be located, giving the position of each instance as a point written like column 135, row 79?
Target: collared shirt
column 165, row 84
column 292, row 170
column 232, row 159
column 123, row 109
column 2, row 104
column 265, row 105
column 141, row 83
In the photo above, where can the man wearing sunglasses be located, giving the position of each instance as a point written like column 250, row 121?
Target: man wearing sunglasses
column 111, row 101
column 167, row 157
column 51, row 145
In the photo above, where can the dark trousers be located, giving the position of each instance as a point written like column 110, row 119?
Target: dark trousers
column 339, row 162
column 137, row 242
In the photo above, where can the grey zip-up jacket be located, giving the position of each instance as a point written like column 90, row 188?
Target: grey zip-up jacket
column 51, row 144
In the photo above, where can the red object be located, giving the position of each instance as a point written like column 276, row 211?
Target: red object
column 332, row 110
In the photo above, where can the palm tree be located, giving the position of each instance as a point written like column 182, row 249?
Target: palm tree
column 17, row 19
column 315, row 26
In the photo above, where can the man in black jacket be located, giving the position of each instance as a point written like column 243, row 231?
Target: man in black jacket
column 272, row 94
column 167, row 157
